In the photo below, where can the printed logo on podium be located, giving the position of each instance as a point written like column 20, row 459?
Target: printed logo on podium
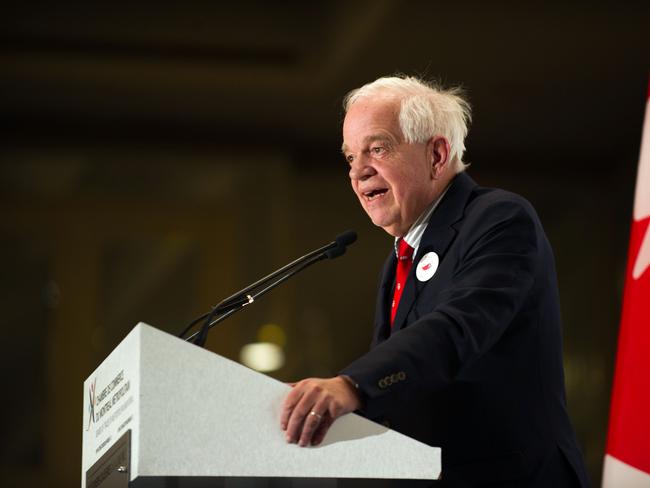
column 92, row 403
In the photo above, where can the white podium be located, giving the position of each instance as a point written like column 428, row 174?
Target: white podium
column 161, row 412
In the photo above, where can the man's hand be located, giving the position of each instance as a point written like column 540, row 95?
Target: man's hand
column 313, row 405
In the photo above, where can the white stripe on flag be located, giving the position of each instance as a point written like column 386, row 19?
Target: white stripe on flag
column 617, row 474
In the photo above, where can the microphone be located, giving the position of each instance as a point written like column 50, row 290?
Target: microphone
column 248, row 295
column 347, row 238
column 341, row 242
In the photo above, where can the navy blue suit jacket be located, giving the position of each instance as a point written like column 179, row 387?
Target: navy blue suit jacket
column 473, row 363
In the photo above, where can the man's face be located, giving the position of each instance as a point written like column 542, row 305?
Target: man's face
column 392, row 179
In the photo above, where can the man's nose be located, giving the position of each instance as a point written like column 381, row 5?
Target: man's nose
column 360, row 170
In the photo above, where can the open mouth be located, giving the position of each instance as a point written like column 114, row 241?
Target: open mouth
column 374, row 194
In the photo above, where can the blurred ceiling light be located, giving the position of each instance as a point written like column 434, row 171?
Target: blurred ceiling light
column 262, row 356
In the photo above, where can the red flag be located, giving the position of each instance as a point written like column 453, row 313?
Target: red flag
column 627, row 457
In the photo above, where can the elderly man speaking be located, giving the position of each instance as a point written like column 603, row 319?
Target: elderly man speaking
column 467, row 345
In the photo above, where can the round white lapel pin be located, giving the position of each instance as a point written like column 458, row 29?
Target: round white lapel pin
column 427, row 266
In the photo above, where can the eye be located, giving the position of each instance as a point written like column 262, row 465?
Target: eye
column 377, row 150
column 349, row 158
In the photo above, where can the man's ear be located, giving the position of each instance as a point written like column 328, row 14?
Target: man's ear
column 439, row 152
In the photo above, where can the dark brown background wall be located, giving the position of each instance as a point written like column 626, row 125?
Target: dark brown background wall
column 156, row 157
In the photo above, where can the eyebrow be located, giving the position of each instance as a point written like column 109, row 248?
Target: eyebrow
column 370, row 139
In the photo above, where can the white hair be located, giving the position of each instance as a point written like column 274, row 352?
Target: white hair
column 426, row 110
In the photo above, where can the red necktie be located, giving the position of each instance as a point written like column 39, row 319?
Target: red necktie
column 404, row 262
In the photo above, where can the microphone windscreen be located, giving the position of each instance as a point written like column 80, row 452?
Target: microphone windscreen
column 335, row 252
column 345, row 239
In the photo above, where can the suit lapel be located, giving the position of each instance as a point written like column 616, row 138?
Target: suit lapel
column 437, row 237
column 382, row 310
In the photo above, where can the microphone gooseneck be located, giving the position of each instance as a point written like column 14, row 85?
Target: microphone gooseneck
column 248, row 295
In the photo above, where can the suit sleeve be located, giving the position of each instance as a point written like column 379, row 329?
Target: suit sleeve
column 497, row 259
